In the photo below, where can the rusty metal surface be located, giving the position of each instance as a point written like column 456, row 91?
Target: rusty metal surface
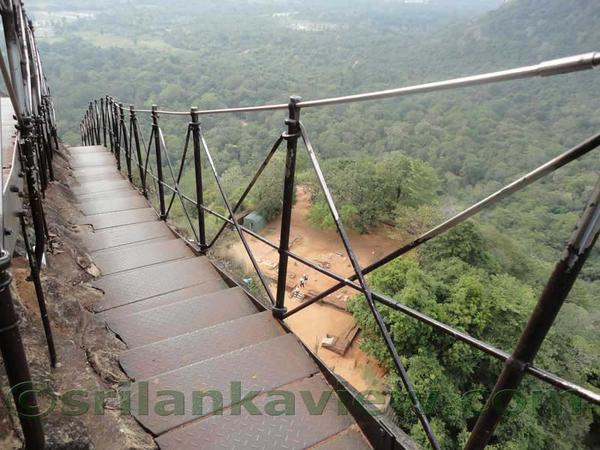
column 139, row 284
column 347, row 440
column 163, row 356
column 181, row 317
column 166, row 299
column 244, row 431
column 145, row 254
column 119, row 218
column 116, row 204
column 91, row 160
column 100, row 186
column 261, row 367
column 126, row 234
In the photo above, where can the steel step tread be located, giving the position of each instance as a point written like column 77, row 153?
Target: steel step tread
column 260, row 367
column 100, row 176
column 171, row 238
column 93, row 187
column 126, row 234
column 312, row 425
column 182, row 317
column 169, row 354
column 92, row 207
column 139, row 284
column 166, row 299
column 236, row 429
column 83, row 160
column 107, row 195
column 84, row 171
column 146, row 254
column 119, row 218
column 88, row 149
column 350, row 439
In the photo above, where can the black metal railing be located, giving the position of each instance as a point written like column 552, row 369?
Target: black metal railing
column 104, row 123
column 30, row 172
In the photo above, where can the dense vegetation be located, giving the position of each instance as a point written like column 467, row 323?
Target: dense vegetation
column 408, row 162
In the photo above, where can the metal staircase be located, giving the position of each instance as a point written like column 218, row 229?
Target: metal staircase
column 187, row 331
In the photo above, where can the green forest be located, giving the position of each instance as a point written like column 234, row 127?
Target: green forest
column 406, row 163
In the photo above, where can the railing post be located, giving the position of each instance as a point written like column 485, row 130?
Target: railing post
column 293, row 132
column 97, row 122
column 195, row 128
column 117, row 137
column 84, row 126
column 125, row 139
column 46, row 133
column 91, row 121
column 17, row 369
column 103, row 118
column 134, row 132
column 548, row 306
column 109, row 123
column 159, row 170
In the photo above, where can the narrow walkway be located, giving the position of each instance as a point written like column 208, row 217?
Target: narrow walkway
column 187, row 331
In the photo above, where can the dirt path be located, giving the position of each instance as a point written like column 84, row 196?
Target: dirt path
column 314, row 323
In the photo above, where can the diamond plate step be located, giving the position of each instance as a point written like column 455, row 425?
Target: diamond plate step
column 116, row 204
column 108, row 195
column 127, row 234
column 347, row 440
column 163, row 356
column 139, row 284
column 245, row 431
column 93, row 159
column 145, row 254
column 93, row 187
column 83, row 172
column 88, row 149
column 182, row 317
column 100, row 176
column 119, row 218
column 260, row 367
column 166, row 299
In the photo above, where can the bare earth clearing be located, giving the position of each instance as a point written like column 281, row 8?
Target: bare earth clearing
column 314, row 323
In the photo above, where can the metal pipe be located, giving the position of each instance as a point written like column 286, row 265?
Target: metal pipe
column 134, row 133
column 125, row 139
column 195, row 130
column 399, row 366
column 292, row 135
column 547, row 68
column 116, row 133
column 489, row 349
column 553, row 67
column 14, row 60
column 565, row 158
column 39, row 292
column 103, row 117
column 541, row 320
column 159, row 168
column 236, row 225
column 109, row 123
column 15, row 363
column 257, row 175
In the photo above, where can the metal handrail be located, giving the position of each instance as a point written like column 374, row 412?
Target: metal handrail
column 297, row 132
column 560, row 66
column 35, row 144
